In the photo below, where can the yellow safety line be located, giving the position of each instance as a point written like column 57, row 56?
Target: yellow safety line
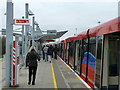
column 1, row 61
column 55, row 84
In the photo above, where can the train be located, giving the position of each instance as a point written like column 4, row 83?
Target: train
column 94, row 55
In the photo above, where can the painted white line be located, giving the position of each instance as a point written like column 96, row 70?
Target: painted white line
column 77, row 75
column 63, row 76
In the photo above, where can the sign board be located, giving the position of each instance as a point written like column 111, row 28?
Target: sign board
column 51, row 32
column 21, row 21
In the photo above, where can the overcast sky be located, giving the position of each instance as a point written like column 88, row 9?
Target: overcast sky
column 64, row 14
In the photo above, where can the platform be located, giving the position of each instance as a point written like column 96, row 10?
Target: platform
column 50, row 75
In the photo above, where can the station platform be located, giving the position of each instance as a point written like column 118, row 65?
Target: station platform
column 54, row 75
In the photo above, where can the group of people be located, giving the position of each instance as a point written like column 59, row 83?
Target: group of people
column 32, row 58
column 48, row 52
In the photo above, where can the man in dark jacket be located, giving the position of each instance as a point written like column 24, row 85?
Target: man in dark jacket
column 55, row 51
column 31, row 60
column 50, row 52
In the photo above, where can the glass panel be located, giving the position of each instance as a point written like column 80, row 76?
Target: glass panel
column 61, row 50
column 98, row 61
column 84, row 59
column 79, row 55
column 76, row 56
column 114, row 55
column 67, row 52
column 91, row 61
column 71, row 54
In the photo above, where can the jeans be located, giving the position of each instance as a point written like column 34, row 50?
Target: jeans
column 50, row 57
column 46, row 57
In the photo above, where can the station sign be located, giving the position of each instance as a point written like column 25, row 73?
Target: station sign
column 21, row 21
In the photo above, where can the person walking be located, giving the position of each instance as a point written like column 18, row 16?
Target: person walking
column 43, row 52
column 55, row 51
column 31, row 60
column 50, row 51
column 45, row 49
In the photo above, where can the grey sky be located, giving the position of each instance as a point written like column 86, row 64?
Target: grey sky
column 63, row 15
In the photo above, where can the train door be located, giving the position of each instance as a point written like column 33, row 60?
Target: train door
column 98, row 63
column 84, row 59
column 63, row 48
column 61, row 53
column 70, row 53
column 111, row 61
column 67, row 50
column 76, row 56
column 80, row 56
column 91, row 61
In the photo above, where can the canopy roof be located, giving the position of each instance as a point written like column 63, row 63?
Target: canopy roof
column 49, row 37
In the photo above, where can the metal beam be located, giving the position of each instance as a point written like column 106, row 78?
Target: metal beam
column 9, row 41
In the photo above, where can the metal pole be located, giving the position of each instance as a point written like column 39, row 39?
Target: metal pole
column 9, row 40
column 26, row 32
column 16, row 48
column 23, row 56
column 33, row 31
column 119, row 66
column 37, row 46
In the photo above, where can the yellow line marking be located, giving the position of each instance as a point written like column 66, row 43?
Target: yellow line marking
column 77, row 78
column 55, row 84
column 1, row 61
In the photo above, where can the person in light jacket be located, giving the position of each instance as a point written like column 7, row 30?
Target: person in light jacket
column 31, row 60
column 45, row 49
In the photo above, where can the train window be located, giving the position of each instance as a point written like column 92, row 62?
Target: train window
column 114, row 56
column 76, row 55
column 71, row 54
column 67, row 52
column 99, row 43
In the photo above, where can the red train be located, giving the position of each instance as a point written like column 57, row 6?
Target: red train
column 95, row 54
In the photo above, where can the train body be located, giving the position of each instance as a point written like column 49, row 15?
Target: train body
column 95, row 54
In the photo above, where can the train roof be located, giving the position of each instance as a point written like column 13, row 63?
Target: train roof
column 105, row 28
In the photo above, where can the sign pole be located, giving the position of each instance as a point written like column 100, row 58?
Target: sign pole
column 23, row 58
column 9, row 40
column 26, row 32
column 33, row 31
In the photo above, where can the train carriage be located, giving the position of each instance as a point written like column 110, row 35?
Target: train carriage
column 95, row 54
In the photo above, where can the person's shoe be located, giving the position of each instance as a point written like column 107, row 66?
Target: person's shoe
column 50, row 61
column 28, row 83
column 33, row 83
